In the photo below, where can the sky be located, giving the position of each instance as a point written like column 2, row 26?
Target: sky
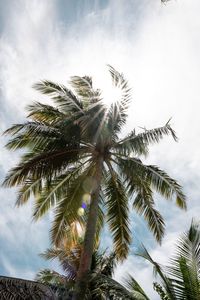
column 157, row 48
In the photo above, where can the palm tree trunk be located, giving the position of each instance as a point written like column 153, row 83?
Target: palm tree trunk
column 88, row 246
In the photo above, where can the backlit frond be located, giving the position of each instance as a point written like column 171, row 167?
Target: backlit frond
column 117, row 114
column 135, row 289
column 137, row 144
column 117, row 214
column 66, row 211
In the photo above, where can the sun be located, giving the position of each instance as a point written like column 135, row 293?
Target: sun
column 111, row 94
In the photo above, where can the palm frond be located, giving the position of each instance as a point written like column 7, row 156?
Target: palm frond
column 165, row 185
column 158, row 270
column 117, row 214
column 137, row 144
column 51, row 194
column 33, row 127
column 68, row 258
column 117, row 114
column 40, row 112
column 40, row 165
column 107, row 287
column 66, row 101
column 30, row 187
column 84, row 89
column 158, row 179
column 107, row 264
column 48, row 276
column 66, row 211
column 144, row 205
column 135, row 289
column 185, row 265
column 35, row 136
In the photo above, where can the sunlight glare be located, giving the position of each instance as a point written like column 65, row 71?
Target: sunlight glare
column 111, row 94
column 78, row 228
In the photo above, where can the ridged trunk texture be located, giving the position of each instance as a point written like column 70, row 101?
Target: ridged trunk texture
column 88, row 246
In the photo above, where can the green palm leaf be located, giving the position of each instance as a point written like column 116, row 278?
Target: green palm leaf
column 158, row 179
column 117, row 208
column 144, row 205
column 44, row 113
column 51, row 194
column 48, row 276
column 117, row 114
column 185, row 266
column 107, row 287
column 137, row 144
column 31, row 187
column 65, row 99
column 135, row 289
column 66, row 211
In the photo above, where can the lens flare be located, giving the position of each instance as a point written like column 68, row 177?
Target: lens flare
column 84, row 205
column 87, row 198
column 81, row 211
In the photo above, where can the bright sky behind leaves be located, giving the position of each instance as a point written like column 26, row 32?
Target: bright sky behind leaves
column 157, row 48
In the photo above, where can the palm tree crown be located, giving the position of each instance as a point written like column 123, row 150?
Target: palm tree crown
column 68, row 143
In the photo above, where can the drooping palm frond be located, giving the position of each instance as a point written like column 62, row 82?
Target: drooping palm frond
column 40, row 138
column 31, row 187
column 139, row 181
column 117, row 213
column 66, row 211
column 144, row 205
column 135, row 289
column 158, row 179
column 157, row 269
column 165, row 185
column 42, row 165
column 51, row 194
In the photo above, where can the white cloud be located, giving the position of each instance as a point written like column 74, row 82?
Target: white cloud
column 157, row 47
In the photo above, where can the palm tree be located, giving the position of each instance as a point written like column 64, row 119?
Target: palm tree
column 180, row 280
column 75, row 156
column 101, row 285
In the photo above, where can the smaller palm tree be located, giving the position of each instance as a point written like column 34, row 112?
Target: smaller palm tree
column 180, row 280
column 101, row 284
